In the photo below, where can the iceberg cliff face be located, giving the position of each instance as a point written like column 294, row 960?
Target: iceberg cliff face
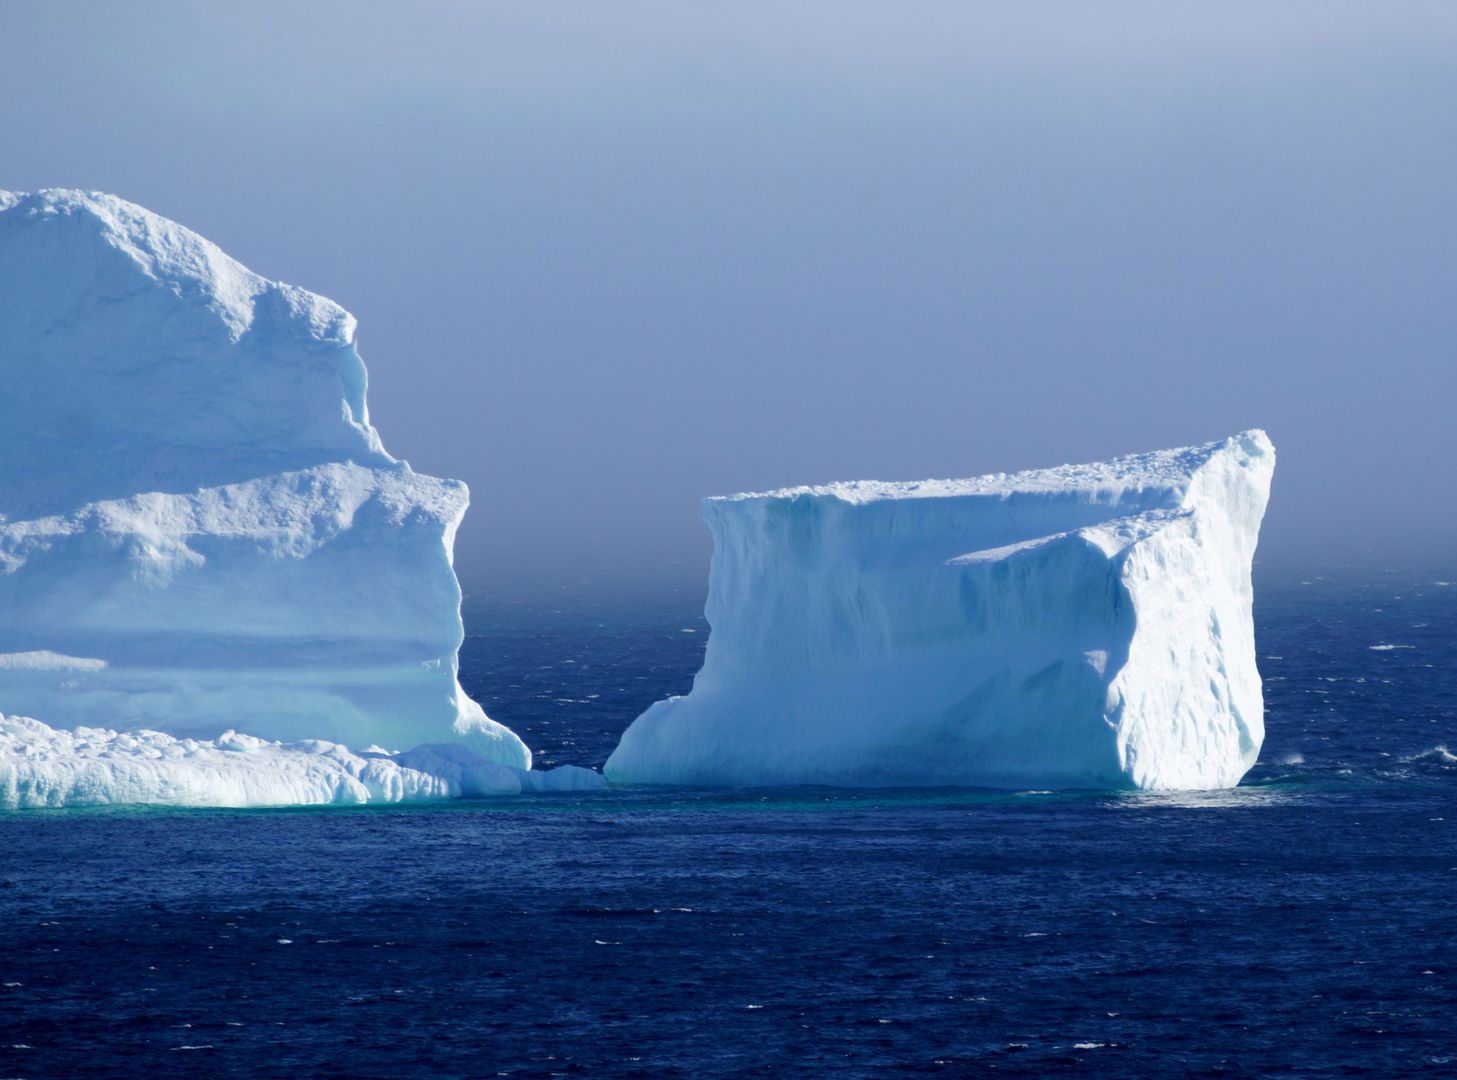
column 199, row 528
column 1080, row 627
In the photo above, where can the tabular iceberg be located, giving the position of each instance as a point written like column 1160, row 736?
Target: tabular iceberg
column 1080, row 627
column 199, row 528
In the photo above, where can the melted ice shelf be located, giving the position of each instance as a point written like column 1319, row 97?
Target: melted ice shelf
column 1087, row 626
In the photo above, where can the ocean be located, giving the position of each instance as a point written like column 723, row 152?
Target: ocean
column 1300, row 925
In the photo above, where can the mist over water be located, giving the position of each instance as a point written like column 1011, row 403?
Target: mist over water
column 607, row 263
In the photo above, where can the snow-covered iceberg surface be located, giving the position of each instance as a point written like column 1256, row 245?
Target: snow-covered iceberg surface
column 1080, row 627
column 43, row 767
column 199, row 528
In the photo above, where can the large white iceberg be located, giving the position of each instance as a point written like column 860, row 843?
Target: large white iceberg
column 199, row 528
column 1080, row 627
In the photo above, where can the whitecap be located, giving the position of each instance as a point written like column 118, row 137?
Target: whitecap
column 1437, row 755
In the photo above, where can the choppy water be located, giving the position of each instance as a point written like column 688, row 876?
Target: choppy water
column 1301, row 925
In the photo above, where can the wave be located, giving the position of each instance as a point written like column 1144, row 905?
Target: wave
column 1437, row 755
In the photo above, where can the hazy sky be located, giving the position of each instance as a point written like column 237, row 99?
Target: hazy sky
column 610, row 258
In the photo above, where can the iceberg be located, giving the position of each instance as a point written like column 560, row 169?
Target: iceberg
column 1086, row 626
column 201, row 531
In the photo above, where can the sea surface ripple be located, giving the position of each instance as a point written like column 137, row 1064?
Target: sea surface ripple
column 1299, row 925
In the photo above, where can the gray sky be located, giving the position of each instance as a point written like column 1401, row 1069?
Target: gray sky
column 610, row 258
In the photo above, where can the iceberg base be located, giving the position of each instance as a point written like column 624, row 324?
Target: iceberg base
column 41, row 766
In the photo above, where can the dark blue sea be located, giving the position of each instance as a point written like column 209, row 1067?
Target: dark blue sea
column 1304, row 924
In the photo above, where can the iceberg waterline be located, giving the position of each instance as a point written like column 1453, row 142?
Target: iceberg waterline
column 1080, row 627
column 43, row 767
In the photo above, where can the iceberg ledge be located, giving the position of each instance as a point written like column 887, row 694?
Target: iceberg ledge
column 41, row 766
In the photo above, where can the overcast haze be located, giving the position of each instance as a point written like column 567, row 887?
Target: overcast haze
column 610, row 258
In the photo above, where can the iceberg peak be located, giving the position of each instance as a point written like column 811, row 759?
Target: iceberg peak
column 1108, row 479
column 138, row 356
